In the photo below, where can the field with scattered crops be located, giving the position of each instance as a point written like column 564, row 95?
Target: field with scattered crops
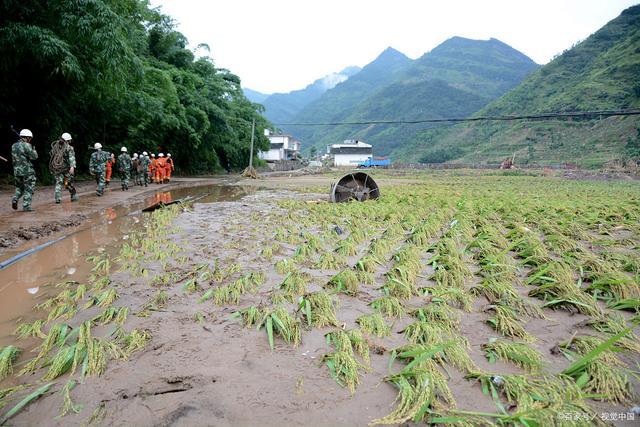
column 468, row 300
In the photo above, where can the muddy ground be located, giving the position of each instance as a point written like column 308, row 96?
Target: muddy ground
column 216, row 372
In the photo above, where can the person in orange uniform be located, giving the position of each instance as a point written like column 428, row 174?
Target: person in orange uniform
column 169, row 168
column 152, row 167
column 160, row 169
column 109, row 168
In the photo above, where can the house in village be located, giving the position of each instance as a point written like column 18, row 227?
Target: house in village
column 350, row 153
column 283, row 147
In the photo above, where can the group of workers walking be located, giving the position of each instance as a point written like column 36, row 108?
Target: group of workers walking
column 143, row 168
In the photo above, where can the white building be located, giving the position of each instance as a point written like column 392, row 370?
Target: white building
column 283, row 147
column 350, row 153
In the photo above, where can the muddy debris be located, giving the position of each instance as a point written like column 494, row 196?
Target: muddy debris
column 21, row 234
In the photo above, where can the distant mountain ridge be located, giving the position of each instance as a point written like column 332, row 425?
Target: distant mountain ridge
column 455, row 79
column 600, row 73
column 281, row 107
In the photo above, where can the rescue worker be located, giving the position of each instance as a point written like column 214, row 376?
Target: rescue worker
column 23, row 154
column 168, row 168
column 63, row 167
column 124, row 167
column 152, row 167
column 161, row 164
column 109, row 168
column 98, row 166
column 145, row 164
column 134, row 169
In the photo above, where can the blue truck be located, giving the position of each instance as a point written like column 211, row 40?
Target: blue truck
column 375, row 162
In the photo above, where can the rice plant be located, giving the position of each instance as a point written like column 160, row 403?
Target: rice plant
column 285, row 266
column 8, row 356
column 329, row 261
column 30, row 330
column 318, row 309
column 294, row 284
column 347, row 247
column 368, row 263
column 438, row 314
column 388, row 306
column 505, row 321
column 280, row 322
column 374, row 324
column 343, row 368
column 345, row 281
column 519, row 354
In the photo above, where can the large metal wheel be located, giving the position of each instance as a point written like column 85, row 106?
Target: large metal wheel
column 354, row 186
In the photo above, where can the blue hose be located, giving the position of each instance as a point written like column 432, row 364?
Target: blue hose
column 16, row 258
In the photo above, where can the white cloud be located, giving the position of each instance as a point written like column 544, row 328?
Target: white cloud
column 281, row 45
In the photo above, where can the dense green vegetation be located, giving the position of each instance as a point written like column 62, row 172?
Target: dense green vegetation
column 455, row 79
column 117, row 71
column 599, row 73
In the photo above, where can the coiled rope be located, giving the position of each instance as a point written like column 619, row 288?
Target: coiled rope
column 56, row 163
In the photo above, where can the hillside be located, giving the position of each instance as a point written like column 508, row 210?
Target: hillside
column 337, row 103
column 455, row 79
column 281, row 107
column 600, row 73
column 254, row 95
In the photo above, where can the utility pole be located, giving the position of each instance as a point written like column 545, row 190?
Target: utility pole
column 253, row 131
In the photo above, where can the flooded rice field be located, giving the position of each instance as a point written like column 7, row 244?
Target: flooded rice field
column 474, row 300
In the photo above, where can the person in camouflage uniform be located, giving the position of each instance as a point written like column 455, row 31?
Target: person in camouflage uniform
column 22, row 154
column 98, row 165
column 144, row 163
column 124, row 167
column 134, row 169
column 63, row 166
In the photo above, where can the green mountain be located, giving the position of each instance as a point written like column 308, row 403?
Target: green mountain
column 600, row 73
column 281, row 107
column 337, row 103
column 455, row 79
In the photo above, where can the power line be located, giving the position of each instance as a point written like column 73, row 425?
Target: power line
column 541, row 116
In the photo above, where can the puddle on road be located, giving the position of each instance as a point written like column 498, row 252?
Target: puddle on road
column 31, row 280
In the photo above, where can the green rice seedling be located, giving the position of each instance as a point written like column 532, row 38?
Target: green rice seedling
column 104, row 282
column 625, row 261
column 267, row 252
column 280, row 322
column 388, row 306
column 30, row 330
column 160, row 299
column 65, row 311
column 318, row 309
column 61, row 363
column 344, row 369
column 439, row 314
column 256, row 278
column 374, row 324
column 97, row 415
column 57, row 335
column 285, row 266
column 278, row 298
column 505, row 321
column 398, row 288
column 80, row 292
column 409, row 256
column 345, row 281
column 191, row 285
column 340, row 340
column 223, row 295
column 329, row 261
column 294, row 284
column 519, row 354
column 101, row 263
column 603, row 374
column 423, row 233
column 8, row 355
column 347, row 247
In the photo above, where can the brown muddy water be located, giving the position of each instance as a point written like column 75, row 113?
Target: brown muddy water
column 31, row 280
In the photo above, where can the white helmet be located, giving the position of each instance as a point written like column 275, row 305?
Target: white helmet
column 66, row 136
column 144, row 153
column 123, row 149
column 168, row 154
column 135, row 155
column 153, row 155
column 26, row 132
column 160, row 155
column 97, row 146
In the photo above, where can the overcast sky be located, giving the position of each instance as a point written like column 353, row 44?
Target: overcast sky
column 282, row 45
